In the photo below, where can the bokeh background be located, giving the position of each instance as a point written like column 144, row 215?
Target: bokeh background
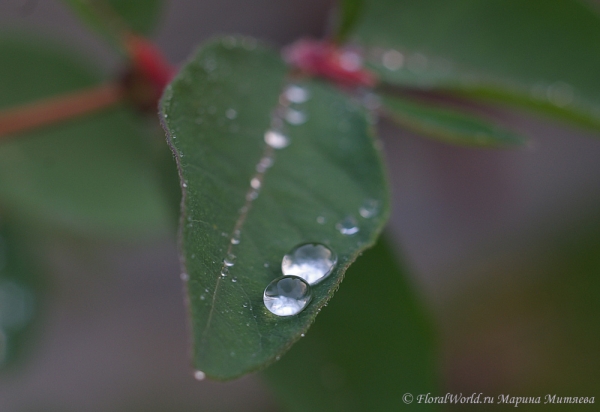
column 504, row 247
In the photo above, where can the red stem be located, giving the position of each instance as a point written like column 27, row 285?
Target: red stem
column 48, row 111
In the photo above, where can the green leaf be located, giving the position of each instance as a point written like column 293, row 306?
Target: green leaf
column 114, row 17
column 372, row 344
column 350, row 12
column 216, row 113
column 447, row 125
column 20, row 291
column 543, row 55
column 90, row 174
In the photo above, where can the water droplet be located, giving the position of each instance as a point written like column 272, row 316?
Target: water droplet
column 235, row 239
column 302, row 335
column 231, row 114
column 199, row 375
column 276, row 140
column 229, row 260
column 287, row 296
column 202, row 297
column 184, row 276
column 255, row 183
column 296, row 94
column 369, row 208
column 234, row 280
column 224, row 272
column 295, row 117
column 392, row 60
column 348, row 226
column 321, row 220
column 312, row 262
column 210, row 65
column 184, row 184
column 264, row 164
column 252, row 195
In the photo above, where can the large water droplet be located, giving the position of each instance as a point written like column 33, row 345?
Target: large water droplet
column 312, row 262
column 296, row 94
column 369, row 209
column 199, row 375
column 295, row 117
column 276, row 139
column 287, row 296
column 348, row 226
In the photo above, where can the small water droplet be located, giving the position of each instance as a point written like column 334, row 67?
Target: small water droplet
column 369, row 209
column 184, row 276
column 348, row 226
column 264, row 164
column 184, row 184
column 224, row 272
column 202, row 297
column 252, row 195
column 296, row 94
column 231, row 114
column 235, row 239
column 276, row 139
column 287, row 296
column 321, row 220
column 234, row 280
column 255, row 183
column 302, row 335
column 229, row 260
column 392, row 60
column 295, row 117
column 312, row 262
column 199, row 375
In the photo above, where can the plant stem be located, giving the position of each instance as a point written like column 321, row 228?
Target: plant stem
column 48, row 111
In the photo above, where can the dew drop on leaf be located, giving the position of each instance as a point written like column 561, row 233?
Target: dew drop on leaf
column 276, row 139
column 287, row 296
column 312, row 262
column 369, row 209
column 296, row 94
column 231, row 114
column 229, row 260
column 347, row 226
column 295, row 117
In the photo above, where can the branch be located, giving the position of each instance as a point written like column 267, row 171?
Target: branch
column 52, row 110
